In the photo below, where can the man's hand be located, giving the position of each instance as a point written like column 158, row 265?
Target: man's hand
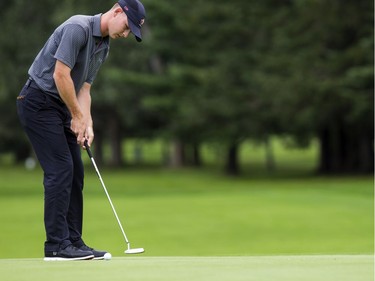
column 89, row 135
column 79, row 128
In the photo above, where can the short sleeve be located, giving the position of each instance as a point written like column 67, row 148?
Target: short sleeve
column 72, row 39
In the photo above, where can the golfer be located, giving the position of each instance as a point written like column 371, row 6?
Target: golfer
column 54, row 109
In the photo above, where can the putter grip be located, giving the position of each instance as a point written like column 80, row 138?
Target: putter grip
column 88, row 149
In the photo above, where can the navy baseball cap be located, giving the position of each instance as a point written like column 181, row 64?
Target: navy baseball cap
column 136, row 14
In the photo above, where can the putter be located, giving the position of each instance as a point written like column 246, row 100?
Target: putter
column 129, row 250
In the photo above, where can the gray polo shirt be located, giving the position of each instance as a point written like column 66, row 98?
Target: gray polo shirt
column 77, row 43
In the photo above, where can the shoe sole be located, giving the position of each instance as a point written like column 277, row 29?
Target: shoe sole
column 90, row 257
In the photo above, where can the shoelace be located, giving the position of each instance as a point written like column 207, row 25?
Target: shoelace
column 86, row 248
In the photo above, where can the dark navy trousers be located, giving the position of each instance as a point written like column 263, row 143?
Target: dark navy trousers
column 46, row 121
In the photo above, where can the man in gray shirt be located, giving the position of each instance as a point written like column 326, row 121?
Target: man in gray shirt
column 54, row 109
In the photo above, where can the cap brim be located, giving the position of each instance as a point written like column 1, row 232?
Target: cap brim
column 135, row 29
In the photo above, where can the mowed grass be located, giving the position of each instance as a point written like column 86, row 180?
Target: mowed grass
column 285, row 225
column 263, row 268
column 199, row 213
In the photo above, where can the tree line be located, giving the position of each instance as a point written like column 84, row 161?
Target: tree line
column 216, row 72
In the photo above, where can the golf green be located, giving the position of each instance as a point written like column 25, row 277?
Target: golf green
column 257, row 268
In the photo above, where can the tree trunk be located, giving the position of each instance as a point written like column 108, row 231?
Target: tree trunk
column 197, row 161
column 192, row 155
column 177, row 159
column 325, row 152
column 22, row 152
column 366, row 155
column 270, row 159
column 344, row 150
column 232, row 167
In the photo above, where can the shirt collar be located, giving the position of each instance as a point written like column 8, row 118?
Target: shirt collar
column 96, row 27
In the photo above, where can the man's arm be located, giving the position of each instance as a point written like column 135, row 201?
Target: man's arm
column 84, row 100
column 65, row 86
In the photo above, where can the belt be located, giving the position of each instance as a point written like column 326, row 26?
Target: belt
column 31, row 83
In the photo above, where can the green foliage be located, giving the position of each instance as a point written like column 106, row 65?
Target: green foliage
column 26, row 27
column 209, row 71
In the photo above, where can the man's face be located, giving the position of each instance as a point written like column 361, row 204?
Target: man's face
column 118, row 25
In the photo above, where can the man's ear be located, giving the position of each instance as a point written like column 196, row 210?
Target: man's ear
column 117, row 11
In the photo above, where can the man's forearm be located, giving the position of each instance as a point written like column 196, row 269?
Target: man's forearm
column 84, row 100
column 67, row 93
column 65, row 86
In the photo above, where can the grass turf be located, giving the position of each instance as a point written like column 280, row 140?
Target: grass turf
column 263, row 268
column 193, row 213
column 285, row 225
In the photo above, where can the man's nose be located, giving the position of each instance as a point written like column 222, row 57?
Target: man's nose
column 126, row 33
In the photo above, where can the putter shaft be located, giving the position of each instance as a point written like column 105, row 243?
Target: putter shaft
column 106, row 192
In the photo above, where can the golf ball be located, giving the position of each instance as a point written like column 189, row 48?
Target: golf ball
column 107, row 256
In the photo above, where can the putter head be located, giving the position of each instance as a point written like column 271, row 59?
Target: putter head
column 134, row 251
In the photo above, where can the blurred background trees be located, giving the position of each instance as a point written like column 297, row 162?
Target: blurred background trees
column 216, row 72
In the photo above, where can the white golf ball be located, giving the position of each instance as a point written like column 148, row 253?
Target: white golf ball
column 107, row 256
